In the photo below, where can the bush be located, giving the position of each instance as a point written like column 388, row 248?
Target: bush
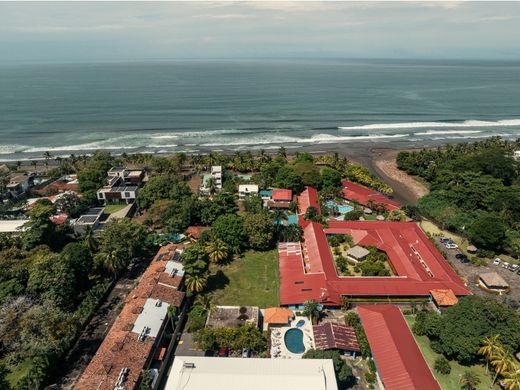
column 442, row 365
column 353, row 215
column 196, row 319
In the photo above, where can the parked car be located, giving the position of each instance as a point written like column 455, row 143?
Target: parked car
column 223, row 352
column 246, row 352
column 505, row 265
column 513, row 267
column 460, row 256
column 497, row 261
column 451, row 246
column 444, row 240
column 518, row 272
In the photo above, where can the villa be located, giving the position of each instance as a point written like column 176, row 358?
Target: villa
column 245, row 190
column 19, row 185
column 136, row 340
column 277, row 316
column 307, row 269
column 123, row 185
column 91, row 219
column 280, row 199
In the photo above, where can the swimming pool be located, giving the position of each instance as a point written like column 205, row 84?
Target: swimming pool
column 300, row 323
column 293, row 340
column 342, row 208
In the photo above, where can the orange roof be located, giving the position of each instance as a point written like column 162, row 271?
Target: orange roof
column 277, row 315
column 196, row 231
column 281, row 195
column 444, row 297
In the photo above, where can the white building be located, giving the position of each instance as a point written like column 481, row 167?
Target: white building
column 516, row 154
column 247, row 190
column 12, row 225
column 195, row 373
column 216, row 174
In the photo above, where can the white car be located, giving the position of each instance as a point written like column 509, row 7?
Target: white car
column 497, row 261
column 505, row 264
column 451, row 246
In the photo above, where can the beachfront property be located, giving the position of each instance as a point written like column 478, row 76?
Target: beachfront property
column 308, row 198
column 90, row 220
column 196, row 373
column 19, row 185
column 280, row 199
column 122, row 185
column 399, row 362
column 367, row 197
column 216, row 175
column 137, row 340
column 308, row 272
column 245, row 190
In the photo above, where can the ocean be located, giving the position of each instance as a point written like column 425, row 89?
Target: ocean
column 197, row 106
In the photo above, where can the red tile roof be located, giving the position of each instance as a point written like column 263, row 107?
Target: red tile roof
column 281, row 195
column 444, row 297
column 307, row 270
column 308, row 198
column 335, row 336
column 364, row 195
column 121, row 347
column 399, row 361
column 196, row 231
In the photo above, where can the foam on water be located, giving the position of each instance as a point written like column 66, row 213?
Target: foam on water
column 420, row 125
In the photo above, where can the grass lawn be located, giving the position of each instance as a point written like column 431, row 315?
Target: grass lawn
column 450, row 381
column 253, row 280
column 112, row 208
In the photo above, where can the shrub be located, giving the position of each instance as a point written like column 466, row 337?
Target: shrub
column 442, row 365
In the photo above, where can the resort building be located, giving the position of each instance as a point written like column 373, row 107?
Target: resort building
column 307, row 269
column 233, row 316
column 308, row 198
column 329, row 335
column 443, row 298
column 216, row 174
column 245, row 190
column 277, row 316
column 280, row 199
column 136, row 340
column 366, row 196
column 123, row 185
column 493, row 282
column 196, row 373
column 400, row 364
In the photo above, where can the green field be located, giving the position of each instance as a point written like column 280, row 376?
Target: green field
column 112, row 208
column 252, row 280
column 450, row 381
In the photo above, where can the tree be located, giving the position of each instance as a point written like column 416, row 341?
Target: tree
column 146, row 380
column 397, row 215
column 469, row 380
column 353, row 215
column 488, row 232
column 511, row 380
column 4, row 383
column 162, row 187
column 259, row 229
column 344, row 376
column 312, row 310
column 352, row 319
column 330, row 178
column 172, row 315
column 217, row 251
column 490, row 347
column 196, row 283
column 503, row 363
column 312, row 214
column 442, row 365
column 230, row 229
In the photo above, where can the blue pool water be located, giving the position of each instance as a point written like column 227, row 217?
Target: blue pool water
column 294, row 340
column 300, row 323
column 342, row 208
column 292, row 219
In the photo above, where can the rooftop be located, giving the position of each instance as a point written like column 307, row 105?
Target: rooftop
column 399, row 361
column 365, row 196
column 232, row 316
column 196, row 373
column 444, row 297
column 492, row 279
column 358, row 252
column 12, row 225
column 281, row 195
column 308, row 198
column 131, row 339
column 309, row 272
column 277, row 315
column 196, row 231
column 329, row 335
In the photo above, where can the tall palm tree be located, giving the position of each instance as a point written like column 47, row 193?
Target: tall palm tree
column 511, row 380
column 212, row 186
column 503, row 363
column 90, row 240
column 196, row 283
column 172, row 315
column 112, row 261
column 490, row 346
column 469, row 380
column 311, row 310
column 205, row 302
column 217, row 251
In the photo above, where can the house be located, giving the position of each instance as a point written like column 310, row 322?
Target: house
column 443, row 298
column 399, row 362
column 123, row 185
column 280, row 199
column 19, row 185
column 233, row 316
column 194, row 232
column 216, row 175
column 277, row 316
column 493, row 282
column 136, row 341
column 245, row 190
column 90, row 220
column 330, row 335
column 196, row 373
column 12, row 225
column 358, row 253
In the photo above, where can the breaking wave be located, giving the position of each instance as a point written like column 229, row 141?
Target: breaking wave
column 420, row 125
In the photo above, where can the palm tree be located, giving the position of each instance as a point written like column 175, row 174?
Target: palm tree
column 311, row 310
column 511, row 380
column 47, row 156
column 469, row 381
column 90, row 240
column 204, row 301
column 217, row 251
column 112, row 261
column 503, row 363
column 212, row 186
column 196, row 283
column 172, row 315
column 490, row 346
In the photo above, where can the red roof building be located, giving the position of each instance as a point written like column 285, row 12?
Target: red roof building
column 399, row 362
column 135, row 338
column 366, row 196
column 281, row 195
column 308, row 198
column 330, row 335
column 307, row 269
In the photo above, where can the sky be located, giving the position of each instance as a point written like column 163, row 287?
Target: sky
column 120, row 31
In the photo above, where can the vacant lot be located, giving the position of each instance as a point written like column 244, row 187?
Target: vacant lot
column 253, row 280
column 450, row 381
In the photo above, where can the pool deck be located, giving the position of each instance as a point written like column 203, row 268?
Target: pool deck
column 278, row 348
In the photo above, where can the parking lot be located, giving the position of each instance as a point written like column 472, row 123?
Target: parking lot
column 469, row 273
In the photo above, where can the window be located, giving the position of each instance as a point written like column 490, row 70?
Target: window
column 127, row 194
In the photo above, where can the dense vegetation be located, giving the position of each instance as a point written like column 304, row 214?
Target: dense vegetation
column 343, row 372
column 475, row 190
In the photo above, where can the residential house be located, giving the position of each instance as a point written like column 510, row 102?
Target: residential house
column 245, row 190
column 19, row 185
column 89, row 220
column 123, row 185
column 280, row 199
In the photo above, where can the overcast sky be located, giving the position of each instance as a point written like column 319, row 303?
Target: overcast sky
column 96, row 31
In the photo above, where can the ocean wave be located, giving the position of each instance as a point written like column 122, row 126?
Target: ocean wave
column 419, row 125
column 196, row 133
column 447, row 132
